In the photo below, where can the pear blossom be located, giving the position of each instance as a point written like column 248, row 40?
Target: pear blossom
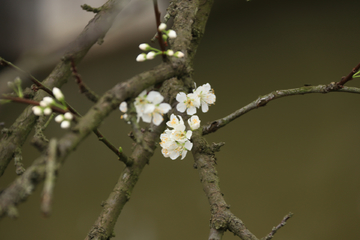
column 206, row 95
column 169, row 52
column 194, row 122
column 187, row 102
column 175, row 142
column 174, row 121
column 150, row 108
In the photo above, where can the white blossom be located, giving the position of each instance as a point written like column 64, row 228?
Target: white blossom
column 150, row 108
column 58, row 94
column 206, row 95
column 174, row 121
column 194, row 122
column 187, row 102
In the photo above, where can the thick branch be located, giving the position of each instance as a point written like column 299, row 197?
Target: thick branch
column 263, row 100
column 95, row 31
column 24, row 185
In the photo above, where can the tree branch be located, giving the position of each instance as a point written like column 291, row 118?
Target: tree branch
column 95, row 31
column 263, row 100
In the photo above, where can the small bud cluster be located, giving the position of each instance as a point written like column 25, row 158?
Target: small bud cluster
column 149, row 107
column 153, row 52
column 45, row 105
column 16, row 86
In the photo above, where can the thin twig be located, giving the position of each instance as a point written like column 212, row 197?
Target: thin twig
column 159, row 33
column 263, row 100
column 50, row 178
column 348, row 77
column 91, row 95
column 275, row 229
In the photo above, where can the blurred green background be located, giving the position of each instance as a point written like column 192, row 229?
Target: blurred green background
column 298, row 154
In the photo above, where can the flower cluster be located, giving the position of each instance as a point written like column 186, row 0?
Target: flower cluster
column 149, row 107
column 153, row 52
column 45, row 105
column 202, row 96
column 175, row 142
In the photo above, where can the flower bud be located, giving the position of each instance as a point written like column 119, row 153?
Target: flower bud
column 172, row 34
column 150, row 55
column 17, row 81
column 169, row 52
column 65, row 124
column 37, row 110
column 47, row 111
column 58, row 94
column 162, row 27
column 144, row 46
column 123, row 107
column 59, row 118
column 11, row 84
column 68, row 116
column 141, row 57
column 179, row 54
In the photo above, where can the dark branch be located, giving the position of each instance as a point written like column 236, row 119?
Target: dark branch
column 348, row 77
column 263, row 100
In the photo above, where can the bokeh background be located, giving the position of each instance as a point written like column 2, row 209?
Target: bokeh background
column 298, row 154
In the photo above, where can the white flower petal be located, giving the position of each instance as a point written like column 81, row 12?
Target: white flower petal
column 155, row 97
column 157, row 119
column 181, row 97
column 181, row 107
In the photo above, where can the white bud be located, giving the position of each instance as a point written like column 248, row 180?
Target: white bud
column 179, row 54
column 37, row 110
column 47, row 111
column 68, row 116
column 48, row 100
column 17, row 81
column 170, row 52
column 59, row 118
column 162, row 27
column 144, row 46
column 58, row 94
column 194, row 122
column 150, row 55
column 141, row 57
column 43, row 103
column 65, row 124
column 172, row 34
column 123, row 107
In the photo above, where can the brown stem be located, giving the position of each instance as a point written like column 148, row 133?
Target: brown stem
column 348, row 77
column 92, row 96
column 159, row 33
